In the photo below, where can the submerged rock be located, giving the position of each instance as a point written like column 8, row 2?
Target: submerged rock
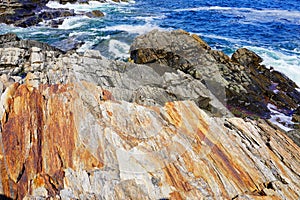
column 95, row 14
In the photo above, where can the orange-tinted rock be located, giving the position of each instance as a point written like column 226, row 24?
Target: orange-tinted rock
column 74, row 141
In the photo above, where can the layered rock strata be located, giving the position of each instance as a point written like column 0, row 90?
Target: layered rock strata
column 84, row 127
column 245, row 86
column 72, row 141
column 126, row 81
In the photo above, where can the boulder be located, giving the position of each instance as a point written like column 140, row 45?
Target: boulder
column 246, row 57
column 94, row 14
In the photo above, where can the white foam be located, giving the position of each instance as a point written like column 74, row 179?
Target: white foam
column 287, row 64
column 119, row 49
column 252, row 14
column 121, row 3
column 203, row 8
column 41, row 33
column 149, row 18
column 89, row 44
column 137, row 29
column 280, row 119
column 73, row 22
column 91, row 5
column 232, row 40
column 81, row 33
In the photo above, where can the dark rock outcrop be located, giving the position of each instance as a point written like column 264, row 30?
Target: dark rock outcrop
column 15, row 10
column 11, row 40
column 246, row 57
column 95, row 14
column 44, row 15
column 31, row 12
column 244, row 85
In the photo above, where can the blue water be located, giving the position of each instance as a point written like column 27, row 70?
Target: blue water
column 271, row 28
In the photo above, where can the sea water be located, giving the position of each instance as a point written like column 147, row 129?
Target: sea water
column 271, row 28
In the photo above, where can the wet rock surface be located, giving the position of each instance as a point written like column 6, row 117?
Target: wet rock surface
column 80, row 126
column 95, row 14
column 31, row 12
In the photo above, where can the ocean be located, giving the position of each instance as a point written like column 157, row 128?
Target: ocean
column 271, row 28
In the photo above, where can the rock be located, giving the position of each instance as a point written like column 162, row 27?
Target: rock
column 31, row 12
column 295, row 136
column 18, row 10
column 95, row 14
column 45, row 15
column 55, row 23
column 80, row 126
column 240, row 83
column 67, row 1
column 246, row 57
column 68, row 44
column 12, row 40
column 71, row 144
column 152, row 86
column 9, row 37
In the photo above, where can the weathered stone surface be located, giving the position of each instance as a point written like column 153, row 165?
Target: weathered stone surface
column 12, row 40
column 240, row 82
column 63, row 140
column 85, row 127
column 152, row 86
column 246, row 57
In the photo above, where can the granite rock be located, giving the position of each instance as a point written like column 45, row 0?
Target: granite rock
column 80, row 126
column 152, row 86
column 64, row 141
column 241, row 83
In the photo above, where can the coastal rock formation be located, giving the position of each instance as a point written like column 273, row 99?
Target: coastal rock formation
column 148, row 87
column 74, row 141
column 13, row 11
column 31, row 12
column 245, row 86
column 84, row 127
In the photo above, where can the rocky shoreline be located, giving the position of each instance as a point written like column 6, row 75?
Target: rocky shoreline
column 240, row 85
column 179, row 121
column 31, row 13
